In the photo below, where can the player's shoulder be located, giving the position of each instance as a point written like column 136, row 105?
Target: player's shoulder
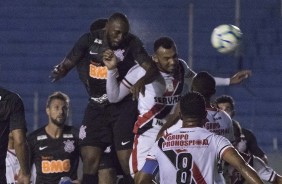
column 132, row 38
column 136, row 69
column 8, row 95
column 183, row 62
column 247, row 131
column 37, row 135
column 97, row 34
column 224, row 115
column 91, row 37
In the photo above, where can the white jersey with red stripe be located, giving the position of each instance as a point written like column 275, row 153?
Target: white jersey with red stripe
column 160, row 97
column 220, row 123
column 12, row 167
column 189, row 155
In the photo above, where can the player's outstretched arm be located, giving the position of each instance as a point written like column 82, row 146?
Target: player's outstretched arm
column 240, row 76
column 61, row 70
column 231, row 156
column 115, row 91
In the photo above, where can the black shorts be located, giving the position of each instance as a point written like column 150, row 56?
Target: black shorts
column 96, row 125
column 104, row 125
column 123, row 123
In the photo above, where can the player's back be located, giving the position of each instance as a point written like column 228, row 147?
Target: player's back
column 220, row 123
column 189, row 155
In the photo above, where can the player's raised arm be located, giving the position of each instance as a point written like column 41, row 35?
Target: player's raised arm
column 115, row 91
column 72, row 59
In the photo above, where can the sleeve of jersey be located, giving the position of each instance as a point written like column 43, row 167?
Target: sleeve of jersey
column 222, row 81
column 189, row 74
column 117, row 91
column 265, row 172
column 80, row 47
column 222, row 144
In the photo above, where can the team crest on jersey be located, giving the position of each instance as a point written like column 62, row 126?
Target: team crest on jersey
column 82, row 132
column 169, row 85
column 67, row 136
column 119, row 54
column 98, row 41
column 69, row 146
column 41, row 137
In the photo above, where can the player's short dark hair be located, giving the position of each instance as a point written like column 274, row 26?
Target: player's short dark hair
column 119, row 16
column 225, row 99
column 193, row 105
column 164, row 42
column 204, row 83
column 58, row 95
column 98, row 24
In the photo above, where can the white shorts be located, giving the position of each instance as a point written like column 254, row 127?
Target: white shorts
column 141, row 146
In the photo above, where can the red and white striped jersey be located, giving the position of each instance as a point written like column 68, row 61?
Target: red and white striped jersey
column 189, row 155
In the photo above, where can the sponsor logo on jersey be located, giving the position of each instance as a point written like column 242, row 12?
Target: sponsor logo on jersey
column 93, row 53
column 95, row 63
column 209, row 125
column 169, row 85
column 98, row 72
column 55, row 166
column 69, row 146
column 169, row 100
column 42, row 148
column 158, row 122
column 82, row 132
column 177, row 137
column 124, row 143
column 98, row 41
column 180, row 140
column 41, row 137
column 215, row 128
column 220, row 131
column 67, row 136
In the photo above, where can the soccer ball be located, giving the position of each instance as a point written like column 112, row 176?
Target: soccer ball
column 226, row 38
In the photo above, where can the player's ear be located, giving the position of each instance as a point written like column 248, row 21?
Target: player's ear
column 47, row 111
column 155, row 58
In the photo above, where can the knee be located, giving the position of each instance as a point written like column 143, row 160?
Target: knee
column 91, row 159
